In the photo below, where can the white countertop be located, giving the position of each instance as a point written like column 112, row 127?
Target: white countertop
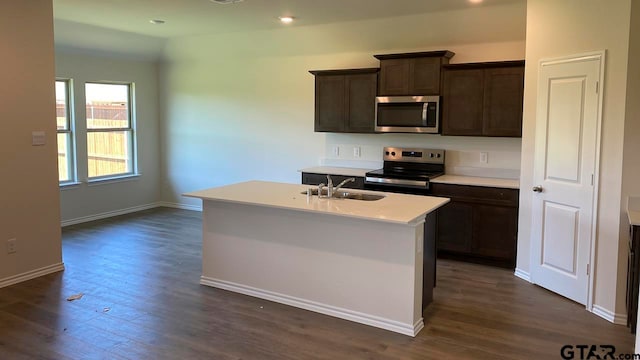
column 633, row 210
column 477, row 181
column 394, row 208
column 335, row 170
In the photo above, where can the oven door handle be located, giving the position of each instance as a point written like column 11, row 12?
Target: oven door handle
column 383, row 181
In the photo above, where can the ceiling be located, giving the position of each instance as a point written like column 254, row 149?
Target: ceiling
column 191, row 17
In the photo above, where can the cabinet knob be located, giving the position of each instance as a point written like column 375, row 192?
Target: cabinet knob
column 537, row 188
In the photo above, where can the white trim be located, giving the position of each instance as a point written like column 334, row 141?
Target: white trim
column 11, row 280
column 70, row 185
column 619, row 319
column 588, row 56
column 601, row 55
column 97, row 181
column 376, row 321
column 522, row 275
column 109, row 214
column 180, row 206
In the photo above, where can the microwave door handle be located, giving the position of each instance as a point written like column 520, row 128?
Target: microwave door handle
column 424, row 113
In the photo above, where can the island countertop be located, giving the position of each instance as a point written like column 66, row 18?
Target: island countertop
column 393, row 208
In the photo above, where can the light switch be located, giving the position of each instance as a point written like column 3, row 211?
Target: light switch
column 38, row 138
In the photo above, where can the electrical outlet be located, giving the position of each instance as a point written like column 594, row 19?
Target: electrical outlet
column 336, row 150
column 356, row 151
column 484, row 157
column 11, row 246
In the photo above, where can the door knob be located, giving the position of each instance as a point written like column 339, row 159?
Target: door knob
column 537, row 188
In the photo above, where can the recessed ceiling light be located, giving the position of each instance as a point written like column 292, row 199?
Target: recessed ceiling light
column 157, row 21
column 475, row 1
column 286, row 19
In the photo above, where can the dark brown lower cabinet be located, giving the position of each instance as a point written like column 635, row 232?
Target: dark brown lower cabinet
column 480, row 224
column 454, row 224
column 633, row 279
column 316, row 179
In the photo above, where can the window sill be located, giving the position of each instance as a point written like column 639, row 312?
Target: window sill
column 70, row 185
column 112, row 179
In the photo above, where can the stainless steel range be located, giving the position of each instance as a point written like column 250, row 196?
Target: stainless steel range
column 406, row 170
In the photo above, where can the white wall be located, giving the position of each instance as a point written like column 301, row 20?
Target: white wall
column 92, row 200
column 462, row 153
column 631, row 170
column 29, row 209
column 240, row 106
column 558, row 28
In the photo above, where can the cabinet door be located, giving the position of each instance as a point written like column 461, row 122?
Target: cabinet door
column 424, row 76
column 394, row 77
column 462, row 102
column 330, row 103
column 455, row 225
column 503, row 96
column 361, row 102
column 494, row 232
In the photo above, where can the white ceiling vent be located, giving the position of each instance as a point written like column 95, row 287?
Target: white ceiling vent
column 225, row 2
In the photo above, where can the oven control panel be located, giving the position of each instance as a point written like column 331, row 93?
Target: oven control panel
column 429, row 156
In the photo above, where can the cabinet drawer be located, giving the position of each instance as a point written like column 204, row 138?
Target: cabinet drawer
column 477, row 194
column 316, row 179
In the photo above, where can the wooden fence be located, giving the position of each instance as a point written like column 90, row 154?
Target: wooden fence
column 107, row 152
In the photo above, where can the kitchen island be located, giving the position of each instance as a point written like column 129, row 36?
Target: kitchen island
column 353, row 259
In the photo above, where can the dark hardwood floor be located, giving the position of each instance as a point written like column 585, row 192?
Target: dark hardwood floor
column 139, row 275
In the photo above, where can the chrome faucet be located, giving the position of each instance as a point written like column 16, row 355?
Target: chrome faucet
column 320, row 190
column 329, row 187
column 331, row 190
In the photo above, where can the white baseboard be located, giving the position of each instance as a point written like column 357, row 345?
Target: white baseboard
column 523, row 275
column 372, row 320
column 130, row 210
column 11, row 280
column 109, row 214
column 620, row 319
column 180, row 206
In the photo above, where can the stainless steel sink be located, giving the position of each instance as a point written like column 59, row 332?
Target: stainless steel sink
column 359, row 196
column 348, row 195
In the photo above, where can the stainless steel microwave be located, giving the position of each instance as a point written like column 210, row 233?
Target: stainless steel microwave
column 408, row 114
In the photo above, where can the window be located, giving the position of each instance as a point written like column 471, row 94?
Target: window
column 66, row 168
column 110, row 135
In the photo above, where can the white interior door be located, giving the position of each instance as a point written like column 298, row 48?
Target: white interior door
column 568, row 116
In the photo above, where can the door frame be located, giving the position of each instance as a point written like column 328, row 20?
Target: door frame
column 599, row 55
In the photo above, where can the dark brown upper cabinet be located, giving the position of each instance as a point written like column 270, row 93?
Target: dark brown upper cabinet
column 483, row 99
column 345, row 100
column 411, row 73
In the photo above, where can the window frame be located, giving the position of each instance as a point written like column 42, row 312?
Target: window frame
column 131, row 129
column 69, row 131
